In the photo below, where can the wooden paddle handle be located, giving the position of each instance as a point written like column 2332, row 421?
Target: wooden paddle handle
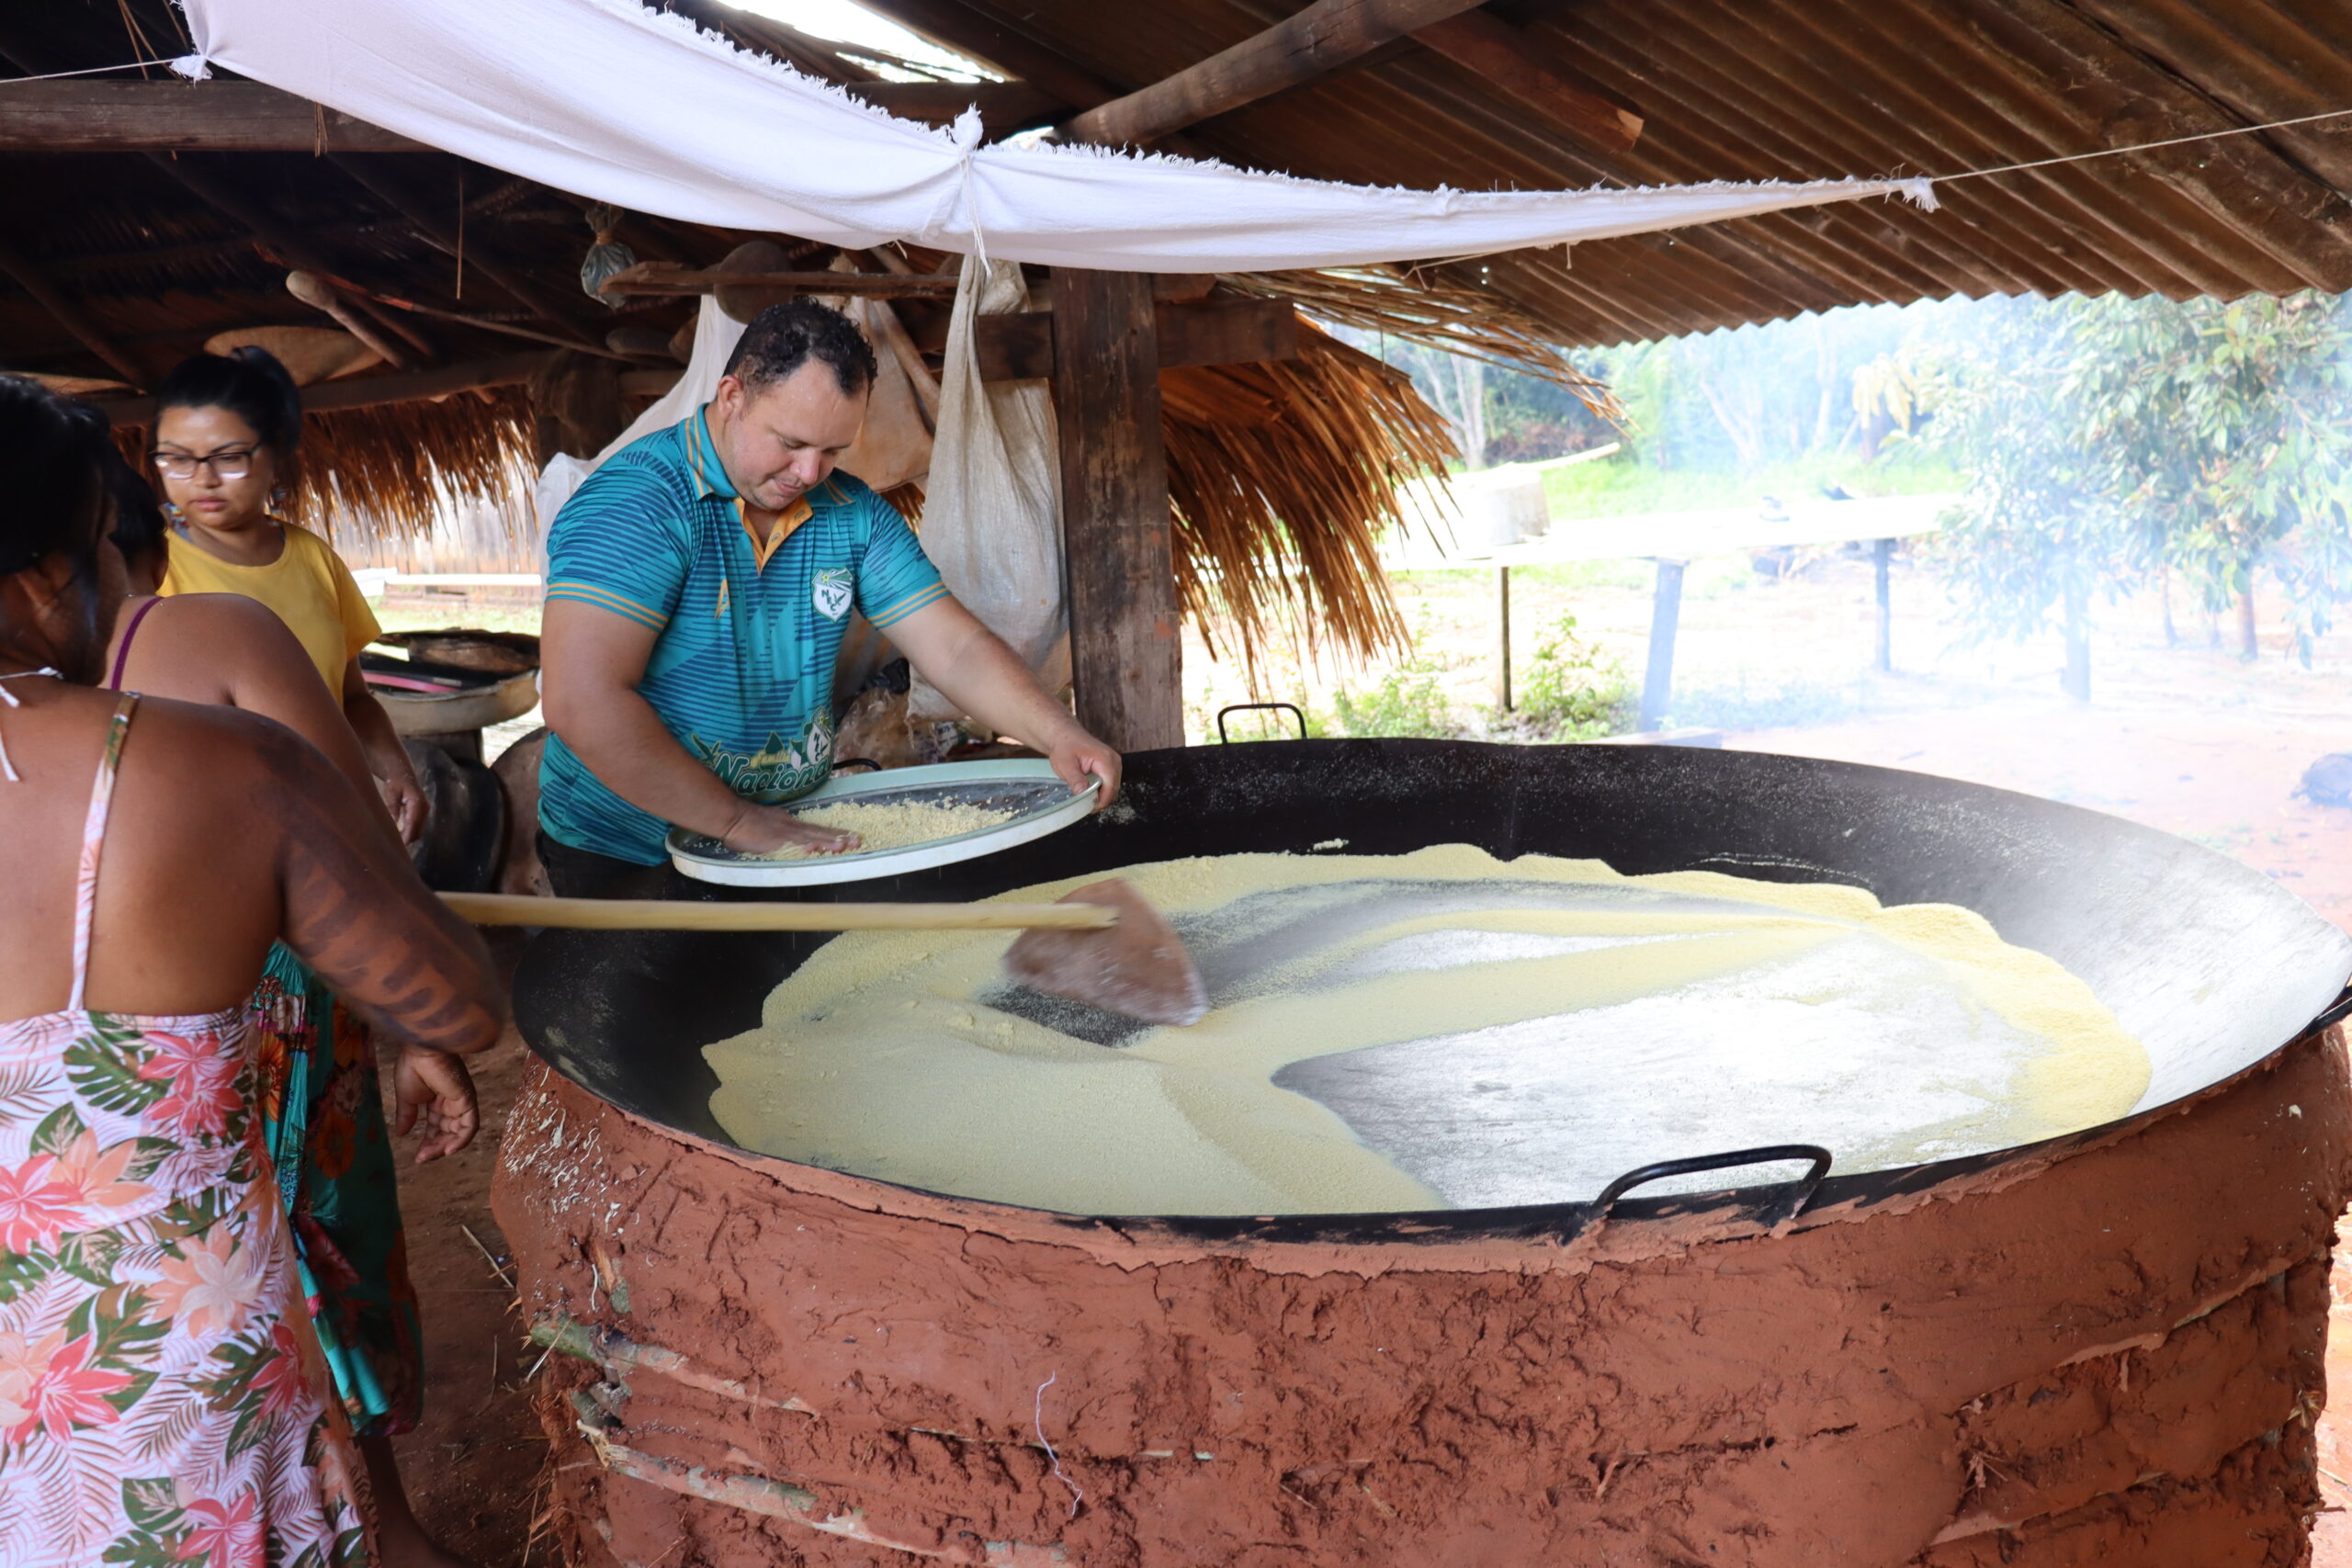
column 662, row 914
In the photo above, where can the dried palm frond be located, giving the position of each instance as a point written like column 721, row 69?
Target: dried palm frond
column 397, row 468
column 1424, row 308
column 1284, row 476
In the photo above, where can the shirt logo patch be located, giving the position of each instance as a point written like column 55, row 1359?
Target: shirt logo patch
column 835, row 587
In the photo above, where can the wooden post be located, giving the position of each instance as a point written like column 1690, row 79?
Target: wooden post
column 1126, row 650
column 1502, row 639
column 1665, row 613
column 1882, row 554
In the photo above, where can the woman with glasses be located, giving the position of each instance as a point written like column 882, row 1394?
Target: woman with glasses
column 227, row 427
column 161, row 1398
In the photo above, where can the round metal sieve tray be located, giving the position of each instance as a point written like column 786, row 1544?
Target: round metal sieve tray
column 1039, row 803
column 2210, row 965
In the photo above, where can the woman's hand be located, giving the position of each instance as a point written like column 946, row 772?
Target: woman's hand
column 435, row 1086
column 404, row 798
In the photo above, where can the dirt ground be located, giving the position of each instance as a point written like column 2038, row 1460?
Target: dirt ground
column 2183, row 737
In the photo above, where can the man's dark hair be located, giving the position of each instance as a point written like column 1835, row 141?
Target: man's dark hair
column 782, row 338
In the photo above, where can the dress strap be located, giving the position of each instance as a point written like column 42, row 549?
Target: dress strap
column 122, row 654
column 93, row 834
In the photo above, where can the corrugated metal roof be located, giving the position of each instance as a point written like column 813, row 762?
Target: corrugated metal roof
column 1808, row 89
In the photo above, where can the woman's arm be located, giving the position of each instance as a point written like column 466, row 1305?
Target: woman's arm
column 386, row 758
column 355, row 911
column 266, row 672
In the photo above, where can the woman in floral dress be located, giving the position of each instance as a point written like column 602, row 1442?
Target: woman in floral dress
column 162, row 1402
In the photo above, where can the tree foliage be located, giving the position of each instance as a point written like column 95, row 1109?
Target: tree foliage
column 2110, row 440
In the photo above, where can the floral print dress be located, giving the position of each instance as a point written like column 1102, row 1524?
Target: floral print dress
column 162, row 1401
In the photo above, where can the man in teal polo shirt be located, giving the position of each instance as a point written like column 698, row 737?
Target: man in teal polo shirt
column 699, row 585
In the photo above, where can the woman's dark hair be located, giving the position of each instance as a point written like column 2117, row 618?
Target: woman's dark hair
column 250, row 383
column 55, row 451
column 139, row 525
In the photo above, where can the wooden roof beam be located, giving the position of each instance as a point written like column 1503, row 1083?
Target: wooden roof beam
column 1325, row 36
column 441, row 233
column 287, row 248
column 182, row 116
column 1513, row 63
column 371, row 391
column 246, row 116
column 67, row 313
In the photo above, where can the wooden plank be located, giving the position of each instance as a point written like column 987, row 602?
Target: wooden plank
column 1020, row 346
column 1513, row 63
column 667, row 279
column 1126, row 649
column 184, row 117
column 1319, row 40
column 373, row 392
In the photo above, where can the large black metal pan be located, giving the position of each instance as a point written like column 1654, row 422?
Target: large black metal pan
column 2209, row 964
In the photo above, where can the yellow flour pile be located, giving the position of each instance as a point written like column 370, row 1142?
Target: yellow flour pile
column 882, row 1055
column 895, row 824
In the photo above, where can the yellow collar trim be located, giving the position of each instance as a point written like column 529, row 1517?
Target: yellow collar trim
column 787, row 522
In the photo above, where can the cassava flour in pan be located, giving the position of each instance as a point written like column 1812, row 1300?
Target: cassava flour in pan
column 1471, row 1032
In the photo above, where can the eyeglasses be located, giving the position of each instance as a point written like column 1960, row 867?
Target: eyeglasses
column 229, row 463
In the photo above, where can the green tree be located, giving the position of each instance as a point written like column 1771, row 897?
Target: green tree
column 2111, row 440
column 2228, row 430
column 2039, row 535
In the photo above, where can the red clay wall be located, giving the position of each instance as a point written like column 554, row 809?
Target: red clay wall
column 2108, row 1357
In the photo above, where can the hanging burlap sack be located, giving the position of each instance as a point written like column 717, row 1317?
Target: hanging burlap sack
column 992, row 510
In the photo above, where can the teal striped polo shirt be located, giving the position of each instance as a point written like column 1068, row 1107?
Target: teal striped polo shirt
column 742, row 669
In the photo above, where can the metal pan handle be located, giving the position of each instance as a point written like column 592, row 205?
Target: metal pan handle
column 1291, row 708
column 2337, row 1011
column 1819, row 1156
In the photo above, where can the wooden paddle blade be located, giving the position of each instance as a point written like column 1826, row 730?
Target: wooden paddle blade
column 1137, row 967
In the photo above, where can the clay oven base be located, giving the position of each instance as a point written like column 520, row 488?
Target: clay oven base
column 2110, row 1356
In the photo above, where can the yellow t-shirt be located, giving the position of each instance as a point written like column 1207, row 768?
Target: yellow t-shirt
column 308, row 585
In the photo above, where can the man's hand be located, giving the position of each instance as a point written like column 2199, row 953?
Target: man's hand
column 763, row 830
column 974, row 670
column 437, row 1086
column 1078, row 755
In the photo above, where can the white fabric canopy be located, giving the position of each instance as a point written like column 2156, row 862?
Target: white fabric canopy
column 608, row 99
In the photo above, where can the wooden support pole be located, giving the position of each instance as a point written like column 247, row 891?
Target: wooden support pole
column 1502, row 639
column 1020, row 346
column 68, row 315
column 1126, row 649
column 1665, row 613
column 1881, row 556
column 1318, row 40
